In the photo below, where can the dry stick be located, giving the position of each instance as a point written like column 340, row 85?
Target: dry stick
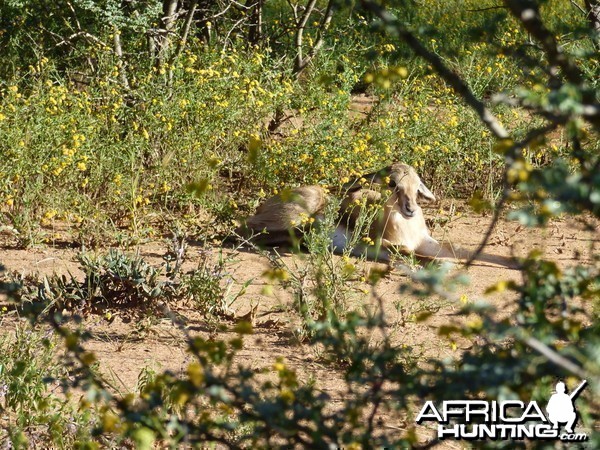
column 593, row 15
column 88, row 58
column 186, row 28
column 555, row 357
column 256, row 24
column 489, row 8
column 294, row 9
column 74, row 15
column 226, row 40
column 169, row 15
column 121, row 63
column 219, row 14
column 84, row 34
column 577, row 6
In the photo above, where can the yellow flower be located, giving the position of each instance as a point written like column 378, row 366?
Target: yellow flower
column 50, row 214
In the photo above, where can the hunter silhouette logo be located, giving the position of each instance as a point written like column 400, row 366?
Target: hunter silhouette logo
column 560, row 406
column 509, row 419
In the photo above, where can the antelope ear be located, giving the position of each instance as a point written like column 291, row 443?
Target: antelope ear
column 425, row 193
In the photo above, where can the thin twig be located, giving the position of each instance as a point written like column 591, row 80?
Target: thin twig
column 120, row 61
column 298, row 41
column 555, row 357
column 577, row 6
column 226, row 40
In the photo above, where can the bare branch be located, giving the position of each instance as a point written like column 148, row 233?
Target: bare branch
column 578, row 6
column 323, row 27
column 183, row 39
column 300, row 34
column 489, row 8
column 168, row 19
column 294, row 9
column 244, row 7
column 256, row 22
column 68, row 40
column 186, row 30
column 593, row 16
column 226, row 40
column 555, row 357
column 74, row 15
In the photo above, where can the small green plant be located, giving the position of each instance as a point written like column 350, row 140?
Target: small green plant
column 115, row 280
column 321, row 281
column 124, row 280
column 211, row 287
column 33, row 413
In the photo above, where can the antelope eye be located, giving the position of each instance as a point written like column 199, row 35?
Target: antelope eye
column 392, row 184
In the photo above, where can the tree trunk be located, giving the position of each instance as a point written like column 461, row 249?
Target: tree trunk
column 255, row 25
column 119, row 53
column 184, row 36
column 168, row 22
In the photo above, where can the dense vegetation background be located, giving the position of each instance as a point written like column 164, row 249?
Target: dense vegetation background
column 125, row 120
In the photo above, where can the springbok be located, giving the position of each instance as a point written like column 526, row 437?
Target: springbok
column 399, row 225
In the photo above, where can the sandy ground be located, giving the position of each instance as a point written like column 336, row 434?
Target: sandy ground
column 125, row 348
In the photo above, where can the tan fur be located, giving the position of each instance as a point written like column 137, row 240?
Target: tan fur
column 400, row 224
column 286, row 210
